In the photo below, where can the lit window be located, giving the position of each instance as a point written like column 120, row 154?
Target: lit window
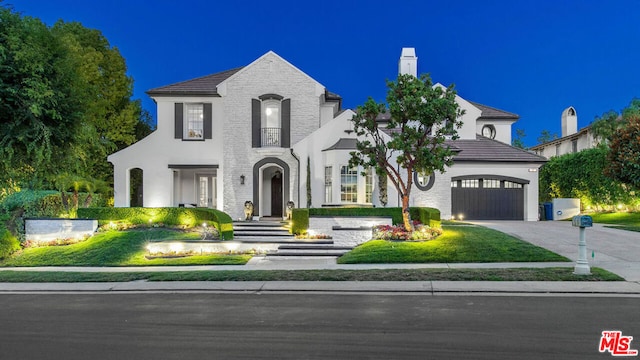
column 368, row 186
column 328, row 189
column 194, row 115
column 271, row 123
column 512, row 185
column 470, row 183
column 348, row 184
column 424, row 181
column 491, row 184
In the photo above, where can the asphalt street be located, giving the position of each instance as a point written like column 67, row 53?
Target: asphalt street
column 192, row 325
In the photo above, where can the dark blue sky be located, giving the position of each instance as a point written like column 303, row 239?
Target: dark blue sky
column 533, row 58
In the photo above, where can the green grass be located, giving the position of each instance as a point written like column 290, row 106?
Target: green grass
column 458, row 244
column 519, row 274
column 624, row 220
column 116, row 248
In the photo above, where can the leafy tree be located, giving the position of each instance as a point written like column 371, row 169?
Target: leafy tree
column 623, row 159
column 518, row 140
column 546, row 136
column 581, row 175
column 39, row 100
column 65, row 103
column 422, row 117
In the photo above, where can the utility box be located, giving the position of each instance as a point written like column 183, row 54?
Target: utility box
column 565, row 209
column 582, row 221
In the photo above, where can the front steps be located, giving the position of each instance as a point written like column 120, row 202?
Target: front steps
column 289, row 247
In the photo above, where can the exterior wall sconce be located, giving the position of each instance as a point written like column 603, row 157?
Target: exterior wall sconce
column 241, row 179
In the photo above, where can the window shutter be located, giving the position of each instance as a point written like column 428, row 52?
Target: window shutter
column 286, row 123
column 178, row 120
column 256, row 120
column 208, row 121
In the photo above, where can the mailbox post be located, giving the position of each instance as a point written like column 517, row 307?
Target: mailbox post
column 582, row 265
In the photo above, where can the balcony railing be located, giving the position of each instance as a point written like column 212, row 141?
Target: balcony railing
column 270, row 137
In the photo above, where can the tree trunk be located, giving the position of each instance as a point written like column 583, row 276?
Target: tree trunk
column 406, row 217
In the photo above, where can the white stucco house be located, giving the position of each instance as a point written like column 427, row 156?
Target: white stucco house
column 571, row 140
column 247, row 134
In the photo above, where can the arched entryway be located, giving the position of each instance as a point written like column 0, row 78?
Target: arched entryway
column 270, row 187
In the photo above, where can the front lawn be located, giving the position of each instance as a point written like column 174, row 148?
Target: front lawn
column 116, row 248
column 458, row 244
column 521, row 274
column 624, row 220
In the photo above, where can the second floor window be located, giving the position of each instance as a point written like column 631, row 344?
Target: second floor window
column 271, row 123
column 194, row 116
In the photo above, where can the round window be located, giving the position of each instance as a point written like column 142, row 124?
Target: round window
column 489, row 131
column 423, row 180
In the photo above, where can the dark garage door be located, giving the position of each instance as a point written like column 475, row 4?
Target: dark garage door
column 487, row 199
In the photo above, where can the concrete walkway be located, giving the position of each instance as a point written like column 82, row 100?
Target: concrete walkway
column 615, row 250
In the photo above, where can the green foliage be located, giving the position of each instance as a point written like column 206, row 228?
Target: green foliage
column 623, row 160
column 581, row 175
column 115, row 248
column 299, row 221
column 8, row 243
column 546, row 136
column 66, row 102
column 518, row 139
column 426, row 216
column 189, row 217
column 422, row 117
column 459, row 244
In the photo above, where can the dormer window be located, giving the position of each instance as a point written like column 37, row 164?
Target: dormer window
column 489, row 131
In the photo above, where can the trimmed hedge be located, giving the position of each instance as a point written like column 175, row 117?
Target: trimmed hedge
column 299, row 221
column 168, row 216
column 427, row 216
column 8, row 243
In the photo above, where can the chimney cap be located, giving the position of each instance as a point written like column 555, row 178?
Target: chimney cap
column 408, row 52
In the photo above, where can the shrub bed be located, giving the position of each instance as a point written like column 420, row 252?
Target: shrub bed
column 187, row 217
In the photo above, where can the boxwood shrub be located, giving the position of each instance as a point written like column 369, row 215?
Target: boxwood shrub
column 8, row 243
column 299, row 221
column 168, row 216
column 427, row 216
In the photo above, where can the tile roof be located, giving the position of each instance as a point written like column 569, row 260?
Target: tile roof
column 483, row 149
column 489, row 112
column 343, row 144
column 205, row 85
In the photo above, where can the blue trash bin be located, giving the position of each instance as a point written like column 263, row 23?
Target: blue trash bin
column 548, row 210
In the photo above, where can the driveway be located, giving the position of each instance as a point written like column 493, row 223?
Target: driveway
column 615, row 250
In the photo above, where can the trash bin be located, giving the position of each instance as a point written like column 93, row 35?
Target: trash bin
column 541, row 214
column 548, row 210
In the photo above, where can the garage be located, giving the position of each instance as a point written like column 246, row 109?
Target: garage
column 487, row 197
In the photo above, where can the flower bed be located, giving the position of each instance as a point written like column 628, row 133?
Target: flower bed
column 398, row 233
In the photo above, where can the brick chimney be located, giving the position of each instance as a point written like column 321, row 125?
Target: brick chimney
column 408, row 63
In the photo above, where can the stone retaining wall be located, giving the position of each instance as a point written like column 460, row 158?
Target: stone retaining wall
column 347, row 230
column 42, row 230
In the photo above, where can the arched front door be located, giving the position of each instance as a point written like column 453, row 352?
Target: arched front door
column 276, row 194
column 270, row 187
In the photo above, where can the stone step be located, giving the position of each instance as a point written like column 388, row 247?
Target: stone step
column 280, row 240
column 313, row 246
column 290, row 253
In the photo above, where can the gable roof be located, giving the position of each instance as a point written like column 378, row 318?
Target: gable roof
column 483, row 149
column 489, row 112
column 343, row 144
column 205, row 85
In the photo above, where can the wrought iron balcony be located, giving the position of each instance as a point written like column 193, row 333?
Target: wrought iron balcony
column 271, row 137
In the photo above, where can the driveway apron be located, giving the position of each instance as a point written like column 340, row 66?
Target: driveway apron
column 612, row 249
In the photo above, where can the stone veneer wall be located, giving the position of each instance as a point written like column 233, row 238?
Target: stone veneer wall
column 41, row 230
column 347, row 230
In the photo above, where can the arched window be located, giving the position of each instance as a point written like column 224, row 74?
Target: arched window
column 271, row 121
